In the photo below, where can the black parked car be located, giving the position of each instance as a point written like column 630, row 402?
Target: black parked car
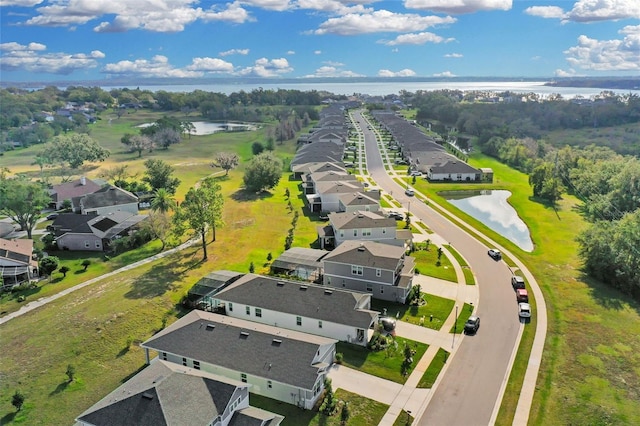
column 472, row 325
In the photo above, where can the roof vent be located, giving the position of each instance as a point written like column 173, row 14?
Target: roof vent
column 280, row 283
column 147, row 395
column 276, row 342
column 244, row 334
column 210, row 327
column 327, row 291
column 303, row 287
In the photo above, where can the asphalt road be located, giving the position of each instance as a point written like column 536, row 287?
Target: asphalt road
column 471, row 386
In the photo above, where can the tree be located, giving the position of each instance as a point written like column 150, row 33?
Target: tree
column 158, row 224
column 345, row 414
column 163, row 201
column 48, row 265
column 201, row 210
column 330, row 403
column 257, row 148
column 85, row 264
column 263, row 172
column 226, row 161
column 139, row 143
column 71, row 372
column 166, row 137
column 75, row 150
column 23, row 201
column 17, row 400
column 545, row 183
column 63, row 270
column 252, row 268
column 159, row 175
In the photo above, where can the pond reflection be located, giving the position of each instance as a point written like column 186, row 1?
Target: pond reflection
column 492, row 209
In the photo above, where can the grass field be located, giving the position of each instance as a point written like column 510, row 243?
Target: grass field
column 427, row 263
column 431, row 315
column 433, row 370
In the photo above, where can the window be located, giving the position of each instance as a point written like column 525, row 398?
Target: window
column 366, row 232
column 184, row 361
column 86, row 244
column 163, row 355
column 196, row 365
column 243, row 377
column 344, row 283
column 328, row 280
column 459, row 176
column 248, row 309
column 369, row 287
column 269, row 384
column 378, row 272
column 230, row 307
column 259, row 312
column 355, row 232
column 341, row 233
column 381, row 289
column 298, row 320
column 356, row 270
column 98, row 244
column 319, row 324
column 384, row 230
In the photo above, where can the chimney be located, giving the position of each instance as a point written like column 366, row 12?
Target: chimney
column 83, row 181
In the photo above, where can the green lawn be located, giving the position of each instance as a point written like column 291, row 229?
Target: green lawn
column 364, row 411
column 434, row 312
column 427, row 264
column 433, row 370
column 463, row 315
column 404, row 419
column 466, row 270
column 386, row 363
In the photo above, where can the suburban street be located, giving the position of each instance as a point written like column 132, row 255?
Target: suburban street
column 471, row 387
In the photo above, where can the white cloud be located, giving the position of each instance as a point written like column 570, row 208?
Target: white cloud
column 402, row 73
column 212, row 65
column 278, row 5
column 444, row 74
column 607, row 55
column 333, row 63
column 331, row 72
column 380, row 21
column 603, row 10
column 234, row 52
column 291, row 52
column 23, row 3
column 453, row 55
column 458, row 6
column 568, row 73
column 158, row 66
column 317, row 52
column 590, row 11
column 264, row 67
column 151, row 15
column 32, row 58
column 545, row 11
column 417, row 38
column 340, row 7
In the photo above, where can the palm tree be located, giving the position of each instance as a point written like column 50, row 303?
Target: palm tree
column 163, row 201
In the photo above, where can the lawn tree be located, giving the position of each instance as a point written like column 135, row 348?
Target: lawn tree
column 329, row 405
column 85, row 264
column 158, row 224
column 22, row 201
column 63, row 270
column 201, row 210
column 138, row 143
column 74, row 150
column 226, row 161
column 17, row 400
column 262, row 173
column 188, row 127
column 163, row 201
column 166, row 137
column 48, row 264
column 344, row 414
column 117, row 174
column 545, row 183
column 159, row 174
column 257, row 148
column 71, row 372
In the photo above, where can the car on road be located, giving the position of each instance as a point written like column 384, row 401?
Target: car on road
column 495, row 254
column 524, row 310
column 52, row 216
column 410, row 192
column 522, row 295
column 416, row 173
column 517, row 282
column 323, row 216
column 472, row 325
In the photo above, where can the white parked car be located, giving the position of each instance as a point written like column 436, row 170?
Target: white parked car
column 409, row 192
column 416, row 173
column 524, row 310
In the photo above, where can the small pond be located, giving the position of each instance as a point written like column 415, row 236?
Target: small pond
column 492, row 209
column 206, row 128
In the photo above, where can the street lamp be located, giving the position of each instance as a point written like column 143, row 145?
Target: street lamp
column 408, row 417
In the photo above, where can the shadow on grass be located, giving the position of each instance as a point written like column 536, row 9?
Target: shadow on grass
column 80, row 271
column 130, row 376
column 7, row 418
column 605, row 296
column 156, row 282
column 244, row 195
column 60, row 388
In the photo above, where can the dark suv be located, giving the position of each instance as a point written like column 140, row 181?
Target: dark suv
column 472, row 325
column 517, row 282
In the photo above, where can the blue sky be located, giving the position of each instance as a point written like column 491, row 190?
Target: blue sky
column 58, row 40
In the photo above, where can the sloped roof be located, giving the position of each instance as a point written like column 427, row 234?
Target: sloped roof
column 75, row 188
column 360, row 219
column 244, row 346
column 303, row 299
column 360, row 198
column 454, row 166
column 164, row 394
column 214, row 281
column 367, row 253
column 252, row 416
column 338, row 187
column 297, row 256
column 108, row 196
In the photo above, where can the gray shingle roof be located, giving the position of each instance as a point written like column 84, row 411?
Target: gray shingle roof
column 108, row 196
column 295, row 298
column 361, row 198
column 367, row 253
column 252, row 416
column 164, row 394
column 360, row 219
column 243, row 346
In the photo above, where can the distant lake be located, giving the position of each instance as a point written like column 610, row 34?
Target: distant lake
column 207, row 128
column 492, row 209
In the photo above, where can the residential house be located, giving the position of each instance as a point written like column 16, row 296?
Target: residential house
column 362, row 226
column 70, row 190
column 382, row 270
column 106, row 200
column 285, row 365
column 93, row 233
column 454, row 170
column 334, row 313
column 300, row 262
column 17, row 263
column 329, row 193
column 312, row 179
column 201, row 295
column 165, row 393
column 368, row 201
